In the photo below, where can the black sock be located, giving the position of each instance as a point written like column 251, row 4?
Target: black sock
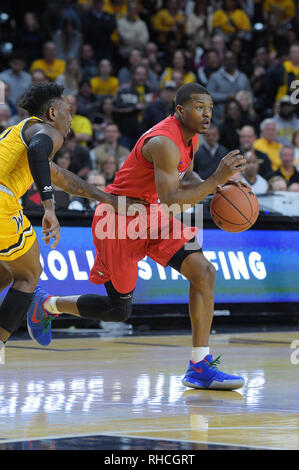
column 14, row 308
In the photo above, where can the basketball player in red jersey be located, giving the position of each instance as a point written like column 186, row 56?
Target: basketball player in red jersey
column 159, row 168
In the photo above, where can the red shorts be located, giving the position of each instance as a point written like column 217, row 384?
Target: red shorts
column 122, row 241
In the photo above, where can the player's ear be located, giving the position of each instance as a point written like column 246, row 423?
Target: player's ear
column 52, row 113
column 180, row 110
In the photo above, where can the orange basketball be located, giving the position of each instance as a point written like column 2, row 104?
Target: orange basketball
column 234, row 207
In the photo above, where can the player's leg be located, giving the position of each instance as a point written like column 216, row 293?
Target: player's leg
column 25, row 272
column 202, row 371
column 5, row 277
column 116, row 307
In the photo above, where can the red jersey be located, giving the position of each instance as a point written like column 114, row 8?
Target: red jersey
column 136, row 178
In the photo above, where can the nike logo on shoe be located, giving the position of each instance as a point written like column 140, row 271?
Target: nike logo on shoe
column 34, row 319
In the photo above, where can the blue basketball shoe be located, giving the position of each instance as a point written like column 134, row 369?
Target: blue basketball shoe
column 205, row 374
column 38, row 319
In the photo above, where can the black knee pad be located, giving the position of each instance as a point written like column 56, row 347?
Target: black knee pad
column 14, row 308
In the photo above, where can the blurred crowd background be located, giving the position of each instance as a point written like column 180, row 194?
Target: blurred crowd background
column 121, row 62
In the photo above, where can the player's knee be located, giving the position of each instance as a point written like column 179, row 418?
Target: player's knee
column 122, row 312
column 28, row 278
column 204, row 276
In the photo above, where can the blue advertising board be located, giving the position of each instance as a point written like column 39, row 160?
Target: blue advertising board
column 253, row 266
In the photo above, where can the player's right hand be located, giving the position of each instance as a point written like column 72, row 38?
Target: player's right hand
column 231, row 164
column 51, row 228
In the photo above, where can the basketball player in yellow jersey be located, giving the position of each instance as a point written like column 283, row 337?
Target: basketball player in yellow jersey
column 25, row 154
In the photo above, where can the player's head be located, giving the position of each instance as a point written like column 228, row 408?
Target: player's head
column 45, row 100
column 193, row 104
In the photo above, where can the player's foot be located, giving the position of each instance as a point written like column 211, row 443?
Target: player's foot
column 205, row 374
column 38, row 319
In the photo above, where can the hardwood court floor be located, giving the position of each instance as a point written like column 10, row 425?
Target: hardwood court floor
column 116, row 390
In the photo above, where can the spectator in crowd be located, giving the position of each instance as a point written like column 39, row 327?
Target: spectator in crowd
column 209, row 153
column 268, row 144
column 230, row 20
column 278, row 79
column 178, row 78
column 38, row 76
column 247, row 138
column 294, row 188
column 212, row 65
column 245, row 99
column 285, row 9
column 81, row 125
column 51, row 66
column 104, row 83
column 88, row 64
column 250, row 174
column 151, row 52
column 225, row 83
column 88, row 103
column 16, row 77
column 18, row 117
column 160, row 108
column 7, row 100
column 199, row 22
column 97, row 28
column 96, row 178
column 232, row 123
column 277, row 183
column 5, row 115
column 63, row 159
column 109, row 168
column 286, row 120
column 287, row 169
column 68, row 40
column 132, row 31
column 179, row 63
column 125, row 73
column 30, row 37
column 129, row 105
column 71, row 77
column 295, row 143
column 260, row 63
column 110, row 146
column 118, row 8
column 218, row 43
column 80, row 163
column 102, row 118
column 169, row 22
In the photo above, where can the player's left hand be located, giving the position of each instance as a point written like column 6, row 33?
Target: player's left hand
column 51, row 228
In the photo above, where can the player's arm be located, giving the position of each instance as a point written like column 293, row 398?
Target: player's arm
column 191, row 178
column 73, row 184
column 165, row 156
column 42, row 145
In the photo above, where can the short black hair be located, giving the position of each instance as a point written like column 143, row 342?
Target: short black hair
column 39, row 97
column 185, row 91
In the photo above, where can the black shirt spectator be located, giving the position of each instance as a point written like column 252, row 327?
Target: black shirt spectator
column 209, row 153
column 160, row 109
column 80, row 159
column 98, row 26
column 233, row 122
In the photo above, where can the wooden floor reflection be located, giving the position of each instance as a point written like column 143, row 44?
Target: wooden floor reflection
column 130, row 388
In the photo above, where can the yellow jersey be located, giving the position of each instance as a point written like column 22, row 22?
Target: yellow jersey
column 15, row 172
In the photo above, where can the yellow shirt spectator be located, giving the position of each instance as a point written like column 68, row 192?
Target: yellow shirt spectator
column 231, row 22
column 51, row 70
column 163, row 22
column 104, row 87
column 272, row 149
column 189, row 77
column 81, row 125
column 285, row 9
column 119, row 9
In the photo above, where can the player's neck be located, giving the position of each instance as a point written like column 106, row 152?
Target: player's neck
column 187, row 134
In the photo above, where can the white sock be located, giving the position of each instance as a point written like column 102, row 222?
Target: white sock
column 198, row 354
column 2, row 353
column 50, row 305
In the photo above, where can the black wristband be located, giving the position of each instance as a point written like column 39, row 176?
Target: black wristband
column 39, row 150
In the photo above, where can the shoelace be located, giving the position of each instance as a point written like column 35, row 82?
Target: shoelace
column 215, row 362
